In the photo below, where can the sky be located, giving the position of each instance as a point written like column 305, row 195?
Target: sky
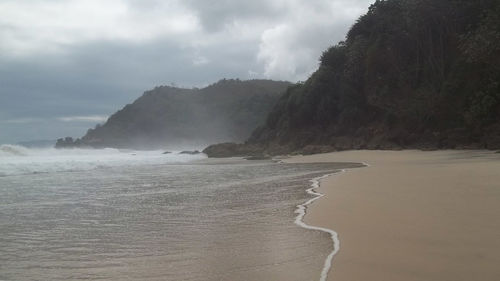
column 66, row 65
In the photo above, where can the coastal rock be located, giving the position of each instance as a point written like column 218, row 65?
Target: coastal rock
column 229, row 149
column 492, row 139
column 190, row 152
column 68, row 142
column 493, row 142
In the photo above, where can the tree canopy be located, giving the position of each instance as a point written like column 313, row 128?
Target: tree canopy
column 410, row 73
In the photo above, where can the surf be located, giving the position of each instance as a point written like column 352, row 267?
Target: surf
column 19, row 160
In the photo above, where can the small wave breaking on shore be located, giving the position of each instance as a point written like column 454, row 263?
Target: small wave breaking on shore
column 299, row 220
column 301, row 212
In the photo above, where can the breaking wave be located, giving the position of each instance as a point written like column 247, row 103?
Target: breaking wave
column 19, row 160
column 12, row 150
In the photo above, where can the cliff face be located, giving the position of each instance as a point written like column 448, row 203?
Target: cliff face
column 168, row 117
column 410, row 74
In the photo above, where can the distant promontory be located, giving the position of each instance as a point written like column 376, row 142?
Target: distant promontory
column 165, row 116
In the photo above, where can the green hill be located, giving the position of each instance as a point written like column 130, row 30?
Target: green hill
column 169, row 117
column 410, row 74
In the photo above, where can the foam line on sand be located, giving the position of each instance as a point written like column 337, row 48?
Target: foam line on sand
column 301, row 211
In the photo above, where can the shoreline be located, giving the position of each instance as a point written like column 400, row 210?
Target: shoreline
column 301, row 210
column 299, row 220
column 409, row 215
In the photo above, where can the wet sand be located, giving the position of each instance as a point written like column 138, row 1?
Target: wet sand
column 412, row 215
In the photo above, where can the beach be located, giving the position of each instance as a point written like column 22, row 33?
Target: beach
column 412, row 215
column 407, row 215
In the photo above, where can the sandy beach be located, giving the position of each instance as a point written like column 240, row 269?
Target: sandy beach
column 412, row 215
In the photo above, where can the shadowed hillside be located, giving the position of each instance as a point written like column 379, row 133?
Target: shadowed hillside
column 410, row 74
column 173, row 117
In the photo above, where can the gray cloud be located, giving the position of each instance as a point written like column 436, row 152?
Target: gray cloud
column 89, row 57
column 216, row 15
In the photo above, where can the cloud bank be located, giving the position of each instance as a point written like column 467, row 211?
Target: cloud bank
column 89, row 57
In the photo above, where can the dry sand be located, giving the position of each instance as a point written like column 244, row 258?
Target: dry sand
column 412, row 215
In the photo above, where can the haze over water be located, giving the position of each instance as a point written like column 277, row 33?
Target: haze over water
column 147, row 216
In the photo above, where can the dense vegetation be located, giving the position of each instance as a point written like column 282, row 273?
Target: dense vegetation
column 411, row 73
column 169, row 117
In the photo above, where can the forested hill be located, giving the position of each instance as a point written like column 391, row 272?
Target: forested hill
column 410, row 74
column 169, row 117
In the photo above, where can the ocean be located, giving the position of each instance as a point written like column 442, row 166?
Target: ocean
column 142, row 215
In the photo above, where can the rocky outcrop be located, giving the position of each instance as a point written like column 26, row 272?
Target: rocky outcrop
column 233, row 150
column 190, row 152
column 69, row 142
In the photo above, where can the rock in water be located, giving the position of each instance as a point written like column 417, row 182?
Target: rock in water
column 194, row 152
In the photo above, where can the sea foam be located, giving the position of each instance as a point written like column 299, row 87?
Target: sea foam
column 19, row 160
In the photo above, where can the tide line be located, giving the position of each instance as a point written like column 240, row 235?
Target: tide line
column 301, row 211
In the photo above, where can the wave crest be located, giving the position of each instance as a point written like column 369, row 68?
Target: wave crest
column 18, row 160
column 13, row 150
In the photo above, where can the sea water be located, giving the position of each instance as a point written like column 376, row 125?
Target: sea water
column 143, row 215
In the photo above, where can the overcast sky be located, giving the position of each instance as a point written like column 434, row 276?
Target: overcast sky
column 65, row 65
